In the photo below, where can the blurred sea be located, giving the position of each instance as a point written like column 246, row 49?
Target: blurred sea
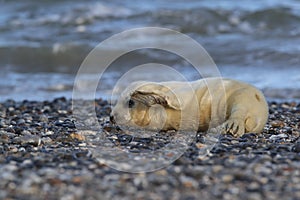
column 43, row 43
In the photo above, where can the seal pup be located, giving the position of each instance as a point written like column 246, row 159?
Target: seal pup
column 212, row 104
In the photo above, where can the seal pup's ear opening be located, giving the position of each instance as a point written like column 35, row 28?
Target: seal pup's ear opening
column 151, row 94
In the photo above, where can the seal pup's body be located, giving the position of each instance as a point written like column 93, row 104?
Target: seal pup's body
column 230, row 106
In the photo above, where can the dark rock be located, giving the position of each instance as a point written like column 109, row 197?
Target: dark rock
column 296, row 147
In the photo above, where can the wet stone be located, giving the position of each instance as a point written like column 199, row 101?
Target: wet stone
column 125, row 139
column 77, row 136
column 46, row 140
column 279, row 137
column 277, row 124
column 21, row 122
column 296, row 147
column 27, row 140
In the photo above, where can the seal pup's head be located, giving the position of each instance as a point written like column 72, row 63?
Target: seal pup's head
column 147, row 105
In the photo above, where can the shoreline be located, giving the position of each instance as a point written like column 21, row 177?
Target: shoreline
column 21, row 86
column 43, row 156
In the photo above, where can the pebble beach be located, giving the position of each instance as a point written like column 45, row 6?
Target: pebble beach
column 43, row 156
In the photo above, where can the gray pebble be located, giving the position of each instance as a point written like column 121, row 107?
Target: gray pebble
column 20, row 122
column 28, row 140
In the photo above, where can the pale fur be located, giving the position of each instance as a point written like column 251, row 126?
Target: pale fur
column 225, row 105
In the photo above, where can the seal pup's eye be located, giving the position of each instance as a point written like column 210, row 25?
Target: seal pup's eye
column 130, row 103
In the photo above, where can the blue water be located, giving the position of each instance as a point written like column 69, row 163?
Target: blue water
column 43, row 43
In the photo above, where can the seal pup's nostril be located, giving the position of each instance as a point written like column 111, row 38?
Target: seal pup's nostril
column 112, row 119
